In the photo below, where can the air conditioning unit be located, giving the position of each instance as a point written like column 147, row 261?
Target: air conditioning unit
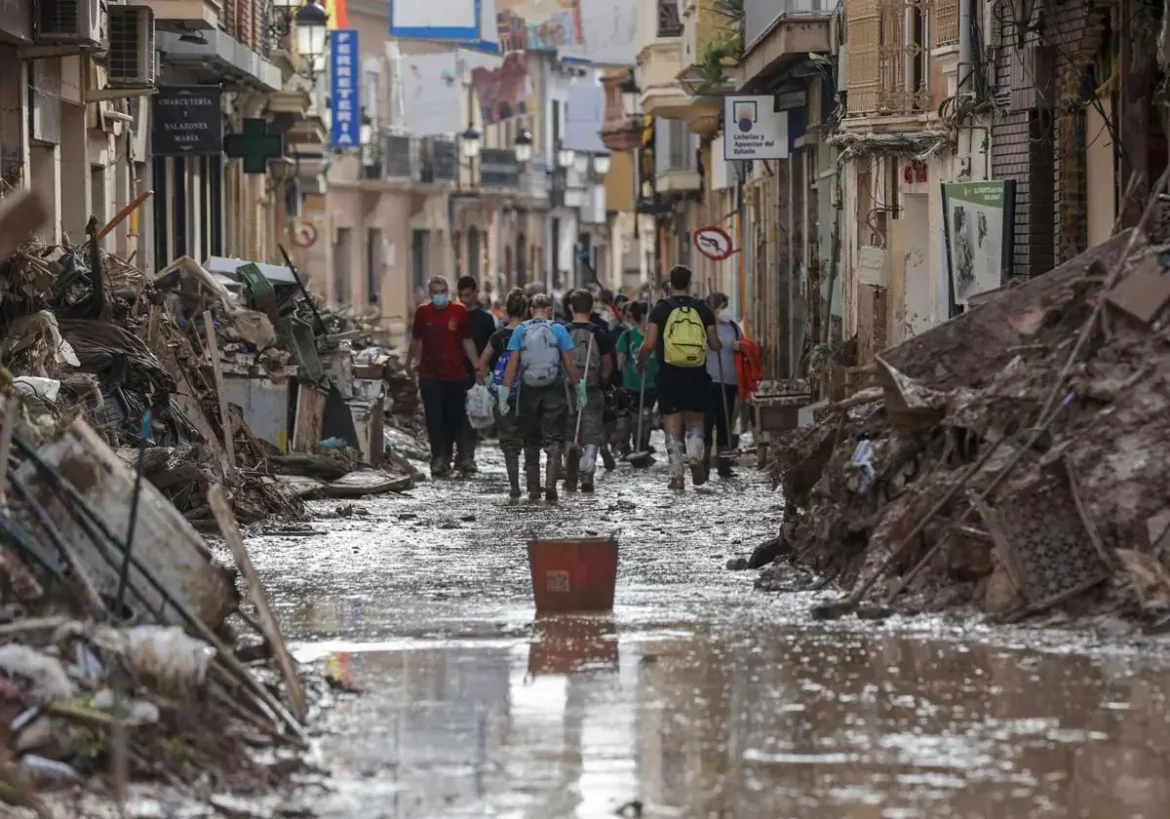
column 130, row 58
column 71, row 22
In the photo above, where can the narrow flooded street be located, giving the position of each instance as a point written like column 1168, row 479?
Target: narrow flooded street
column 699, row 696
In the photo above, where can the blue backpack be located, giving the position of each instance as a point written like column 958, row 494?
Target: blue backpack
column 497, row 379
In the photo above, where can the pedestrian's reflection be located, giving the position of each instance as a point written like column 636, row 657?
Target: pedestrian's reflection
column 567, row 644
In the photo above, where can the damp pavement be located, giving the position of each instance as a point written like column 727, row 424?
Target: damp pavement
column 698, row 696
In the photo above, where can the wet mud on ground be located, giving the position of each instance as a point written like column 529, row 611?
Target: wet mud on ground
column 699, row 696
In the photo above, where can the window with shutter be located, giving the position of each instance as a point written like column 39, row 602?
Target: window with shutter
column 863, row 30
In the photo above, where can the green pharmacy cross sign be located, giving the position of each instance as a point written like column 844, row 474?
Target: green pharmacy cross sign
column 255, row 146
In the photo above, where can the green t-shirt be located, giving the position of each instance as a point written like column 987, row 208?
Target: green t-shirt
column 628, row 344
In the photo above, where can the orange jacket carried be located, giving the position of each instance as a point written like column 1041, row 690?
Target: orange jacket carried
column 749, row 368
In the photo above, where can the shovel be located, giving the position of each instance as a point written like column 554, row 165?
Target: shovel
column 641, row 460
column 581, row 404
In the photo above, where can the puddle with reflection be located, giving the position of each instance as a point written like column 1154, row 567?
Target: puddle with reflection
column 698, row 696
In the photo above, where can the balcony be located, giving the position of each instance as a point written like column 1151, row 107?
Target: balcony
column 659, row 65
column 622, row 129
column 660, row 59
column 676, row 168
column 185, row 15
column 232, row 41
column 498, row 169
column 780, row 32
column 888, row 59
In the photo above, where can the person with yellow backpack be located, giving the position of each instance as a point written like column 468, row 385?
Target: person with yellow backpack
column 681, row 330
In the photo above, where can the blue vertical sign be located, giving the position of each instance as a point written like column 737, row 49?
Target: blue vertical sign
column 344, row 96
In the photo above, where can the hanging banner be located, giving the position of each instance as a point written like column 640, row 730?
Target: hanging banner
column 431, row 93
column 503, row 92
column 979, row 219
column 538, row 25
column 344, row 90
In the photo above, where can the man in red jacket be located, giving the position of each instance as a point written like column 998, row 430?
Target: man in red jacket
column 441, row 344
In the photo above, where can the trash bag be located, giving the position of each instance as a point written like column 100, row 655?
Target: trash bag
column 479, row 407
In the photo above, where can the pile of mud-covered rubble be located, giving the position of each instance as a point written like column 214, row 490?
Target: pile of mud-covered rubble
column 227, row 372
column 1013, row 459
column 133, row 411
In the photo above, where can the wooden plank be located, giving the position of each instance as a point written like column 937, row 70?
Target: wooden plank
column 229, row 443
column 309, row 418
column 164, row 541
column 231, row 533
column 11, row 406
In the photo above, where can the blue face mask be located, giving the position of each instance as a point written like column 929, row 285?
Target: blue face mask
column 440, row 300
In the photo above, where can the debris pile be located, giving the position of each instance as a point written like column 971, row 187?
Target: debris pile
column 117, row 656
column 202, row 366
column 1013, row 458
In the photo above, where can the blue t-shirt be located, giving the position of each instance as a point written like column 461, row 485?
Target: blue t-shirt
column 564, row 341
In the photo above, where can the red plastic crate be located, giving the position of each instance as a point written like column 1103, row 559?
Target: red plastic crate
column 573, row 574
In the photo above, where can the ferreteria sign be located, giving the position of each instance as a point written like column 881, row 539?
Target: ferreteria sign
column 753, row 129
column 187, row 121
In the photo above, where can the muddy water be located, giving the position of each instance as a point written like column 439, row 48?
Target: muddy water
column 698, row 697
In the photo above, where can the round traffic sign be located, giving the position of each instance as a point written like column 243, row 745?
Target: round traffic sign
column 304, row 234
column 713, row 242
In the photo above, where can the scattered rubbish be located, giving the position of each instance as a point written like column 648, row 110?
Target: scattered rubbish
column 171, row 662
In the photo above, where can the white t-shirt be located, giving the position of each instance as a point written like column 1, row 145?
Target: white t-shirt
column 728, row 335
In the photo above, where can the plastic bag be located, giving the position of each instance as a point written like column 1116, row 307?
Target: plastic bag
column 479, row 407
column 167, row 659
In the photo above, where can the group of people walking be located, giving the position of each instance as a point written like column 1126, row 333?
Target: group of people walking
column 579, row 381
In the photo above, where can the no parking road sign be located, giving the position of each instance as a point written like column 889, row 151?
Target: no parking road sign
column 714, row 243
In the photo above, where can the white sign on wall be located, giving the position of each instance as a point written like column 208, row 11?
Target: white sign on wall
column 752, row 130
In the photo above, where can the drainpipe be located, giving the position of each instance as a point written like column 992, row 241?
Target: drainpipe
column 966, row 64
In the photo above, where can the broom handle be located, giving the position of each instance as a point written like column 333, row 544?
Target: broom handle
column 641, row 409
column 723, row 395
column 584, row 375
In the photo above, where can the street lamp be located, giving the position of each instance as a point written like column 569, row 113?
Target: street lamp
column 601, row 164
column 471, row 142
column 565, row 157
column 312, row 23
column 523, row 147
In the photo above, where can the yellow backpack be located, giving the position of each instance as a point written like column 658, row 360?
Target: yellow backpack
column 684, row 339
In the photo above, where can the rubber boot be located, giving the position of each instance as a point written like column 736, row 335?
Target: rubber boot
column 572, row 468
column 532, row 475
column 512, row 464
column 607, row 459
column 551, row 476
column 724, row 467
column 695, row 457
column 674, row 450
column 588, row 467
column 622, row 435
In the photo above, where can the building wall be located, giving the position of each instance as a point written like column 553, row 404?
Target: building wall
column 1039, row 141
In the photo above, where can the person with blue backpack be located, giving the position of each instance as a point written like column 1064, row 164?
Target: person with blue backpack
column 495, row 361
column 541, row 356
